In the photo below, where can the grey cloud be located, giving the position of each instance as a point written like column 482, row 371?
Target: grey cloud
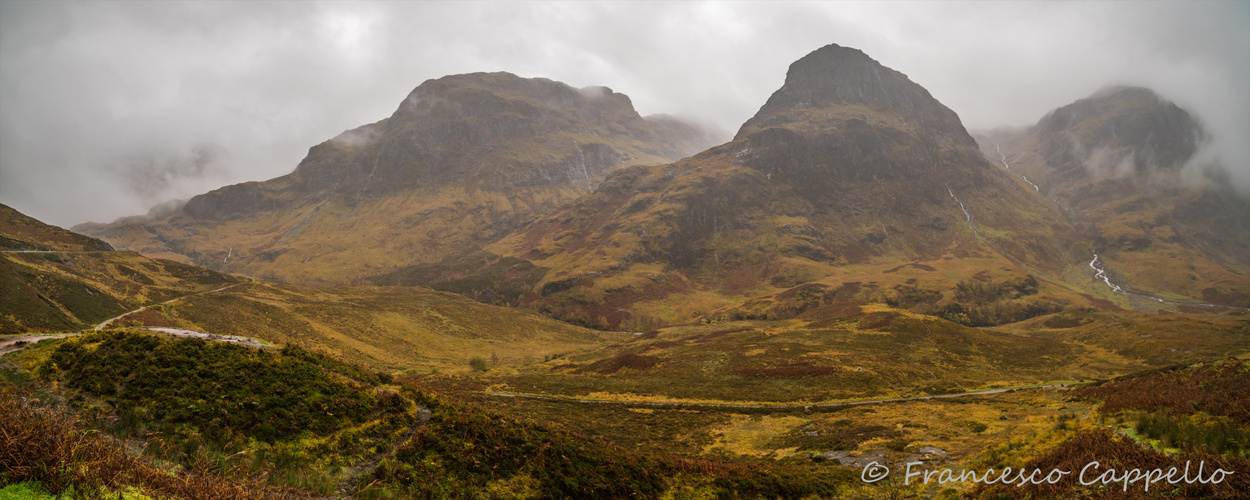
column 85, row 83
column 151, row 177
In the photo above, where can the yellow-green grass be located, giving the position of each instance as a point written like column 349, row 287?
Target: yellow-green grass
column 979, row 431
column 848, row 353
column 70, row 291
column 396, row 329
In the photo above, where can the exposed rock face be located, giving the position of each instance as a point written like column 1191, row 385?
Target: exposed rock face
column 843, row 122
column 517, row 132
column 858, row 88
column 848, row 163
column 464, row 160
column 1116, row 132
column 1120, row 164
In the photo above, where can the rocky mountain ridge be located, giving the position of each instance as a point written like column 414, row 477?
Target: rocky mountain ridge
column 462, row 161
column 831, row 173
column 1122, row 165
column 850, row 177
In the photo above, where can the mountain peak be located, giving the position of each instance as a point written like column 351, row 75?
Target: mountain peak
column 1120, row 130
column 463, row 89
column 834, row 85
column 463, row 160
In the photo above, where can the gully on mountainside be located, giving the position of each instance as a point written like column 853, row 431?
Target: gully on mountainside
column 1003, row 157
column 966, row 214
column 1102, row 275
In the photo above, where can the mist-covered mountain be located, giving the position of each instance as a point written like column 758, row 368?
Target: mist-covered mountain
column 851, row 182
column 463, row 161
column 1125, row 166
column 850, row 164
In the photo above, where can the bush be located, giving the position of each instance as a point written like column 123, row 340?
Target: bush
column 44, row 444
column 477, row 363
column 194, row 388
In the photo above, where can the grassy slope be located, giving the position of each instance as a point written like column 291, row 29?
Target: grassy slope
column 386, row 328
column 70, row 291
column 847, row 352
column 20, row 232
column 454, row 449
column 75, row 281
column 627, row 256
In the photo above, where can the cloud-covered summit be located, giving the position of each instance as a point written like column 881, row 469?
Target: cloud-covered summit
column 88, row 86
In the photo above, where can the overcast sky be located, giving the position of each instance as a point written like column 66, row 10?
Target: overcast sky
column 109, row 108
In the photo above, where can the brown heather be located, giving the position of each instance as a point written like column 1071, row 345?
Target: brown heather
column 43, row 443
column 1221, row 388
column 1122, row 454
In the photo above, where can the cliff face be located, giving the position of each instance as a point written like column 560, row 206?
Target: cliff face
column 463, row 160
column 848, row 164
column 1120, row 164
column 834, row 87
column 1117, row 132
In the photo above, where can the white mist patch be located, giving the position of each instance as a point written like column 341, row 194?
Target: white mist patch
column 595, row 92
column 155, row 175
column 357, row 138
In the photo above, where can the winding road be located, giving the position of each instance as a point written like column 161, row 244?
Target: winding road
column 19, row 342
column 141, row 309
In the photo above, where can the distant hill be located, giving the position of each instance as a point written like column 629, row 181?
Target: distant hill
column 463, row 161
column 397, row 329
column 21, row 232
column 1121, row 165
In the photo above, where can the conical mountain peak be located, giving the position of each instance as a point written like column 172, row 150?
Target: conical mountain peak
column 836, row 85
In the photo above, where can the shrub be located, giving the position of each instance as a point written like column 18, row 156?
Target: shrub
column 194, row 388
column 44, row 444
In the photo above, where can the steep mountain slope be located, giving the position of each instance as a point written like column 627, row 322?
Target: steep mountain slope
column 1122, row 164
column 464, row 160
column 849, row 164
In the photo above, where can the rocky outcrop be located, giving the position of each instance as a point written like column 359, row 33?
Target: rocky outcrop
column 463, row 160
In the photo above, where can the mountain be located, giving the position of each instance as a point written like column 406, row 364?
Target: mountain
column 463, row 161
column 849, row 170
column 1123, row 165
